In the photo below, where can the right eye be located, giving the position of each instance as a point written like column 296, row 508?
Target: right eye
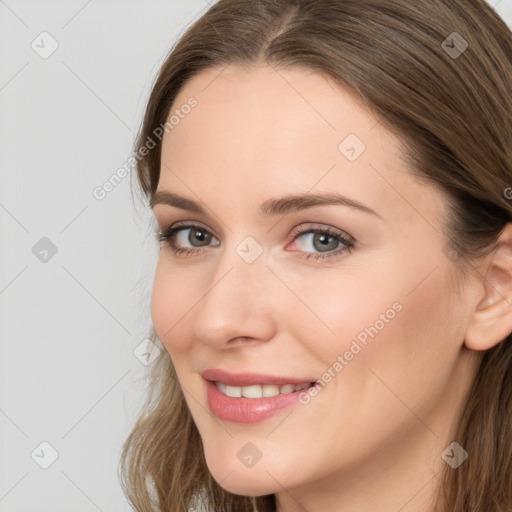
column 181, row 235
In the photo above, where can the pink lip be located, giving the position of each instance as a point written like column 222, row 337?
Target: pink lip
column 249, row 379
column 247, row 410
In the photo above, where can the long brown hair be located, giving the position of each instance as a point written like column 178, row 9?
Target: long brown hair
column 438, row 73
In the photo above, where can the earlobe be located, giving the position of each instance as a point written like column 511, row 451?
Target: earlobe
column 491, row 322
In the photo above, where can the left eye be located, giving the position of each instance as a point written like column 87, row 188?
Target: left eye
column 320, row 241
column 324, row 240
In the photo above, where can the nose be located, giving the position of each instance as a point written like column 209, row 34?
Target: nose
column 238, row 304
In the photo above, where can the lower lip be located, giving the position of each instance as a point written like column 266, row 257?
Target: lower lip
column 247, row 410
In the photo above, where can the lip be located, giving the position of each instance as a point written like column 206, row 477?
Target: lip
column 247, row 410
column 249, row 379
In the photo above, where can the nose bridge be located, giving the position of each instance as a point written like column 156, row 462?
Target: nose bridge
column 243, row 266
column 237, row 302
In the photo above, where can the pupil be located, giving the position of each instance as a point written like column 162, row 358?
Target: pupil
column 324, row 241
column 198, row 235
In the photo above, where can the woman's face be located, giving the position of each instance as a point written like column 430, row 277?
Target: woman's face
column 368, row 308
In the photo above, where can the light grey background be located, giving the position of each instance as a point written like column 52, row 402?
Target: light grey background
column 70, row 324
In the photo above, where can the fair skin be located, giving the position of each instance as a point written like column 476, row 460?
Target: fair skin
column 372, row 439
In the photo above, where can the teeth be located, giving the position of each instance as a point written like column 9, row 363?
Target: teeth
column 233, row 391
column 257, row 391
column 287, row 388
column 251, row 391
column 269, row 390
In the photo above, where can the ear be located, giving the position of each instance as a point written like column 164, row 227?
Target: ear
column 491, row 322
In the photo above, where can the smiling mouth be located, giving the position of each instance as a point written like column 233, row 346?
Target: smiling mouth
column 260, row 391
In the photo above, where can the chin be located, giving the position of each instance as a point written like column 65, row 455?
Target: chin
column 244, row 481
column 247, row 484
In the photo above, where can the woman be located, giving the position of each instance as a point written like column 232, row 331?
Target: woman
column 331, row 185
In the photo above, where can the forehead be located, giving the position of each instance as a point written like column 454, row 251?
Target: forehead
column 288, row 130
column 272, row 104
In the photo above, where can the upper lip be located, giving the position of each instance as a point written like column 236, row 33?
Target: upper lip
column 249, row 379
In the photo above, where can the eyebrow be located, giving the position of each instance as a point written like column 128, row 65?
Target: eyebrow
column 273, row 206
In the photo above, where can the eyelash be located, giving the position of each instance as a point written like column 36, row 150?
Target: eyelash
column 169, row 235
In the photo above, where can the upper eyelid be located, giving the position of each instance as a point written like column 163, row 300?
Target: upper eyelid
column 183, row 224
column 175, row 227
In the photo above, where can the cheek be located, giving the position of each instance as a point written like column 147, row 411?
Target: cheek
column 342, row 312
column 388, row 323
column 171, row 304
column 431, row 330
column 411, row 359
